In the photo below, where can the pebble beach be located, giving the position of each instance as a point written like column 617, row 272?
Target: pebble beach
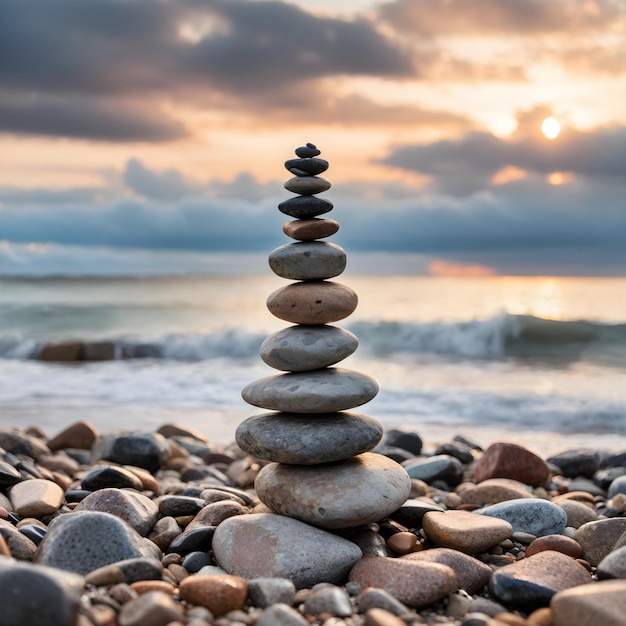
column 165, row 528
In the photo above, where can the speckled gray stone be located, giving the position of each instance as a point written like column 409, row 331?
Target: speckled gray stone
column 308, row 260
column 83, row 541
column 258, row 545
column 320, row 391
column 307, row 185
column 529, row 515
column 308, row 439
column 343, row 494
column 302, row 348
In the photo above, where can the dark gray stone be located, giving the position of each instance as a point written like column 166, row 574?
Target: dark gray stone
column 178, row 506
column 104, row 476
column 267, row 591
column 308, row 151
column 613, row 565
column 306, row 439
column 195, row 561
column 328, row 599
column 305, row 207
column 147, row 450
column 412, row 512
column 8, row 475
column 38, row 596
column 304, row 167
column 579, row 462
column 435, row 468
column 406, row 440
column 618, row 485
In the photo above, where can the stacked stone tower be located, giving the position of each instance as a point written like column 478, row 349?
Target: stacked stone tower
column 322, row 471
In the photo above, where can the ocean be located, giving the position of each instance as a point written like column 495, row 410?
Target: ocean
column 540, row 361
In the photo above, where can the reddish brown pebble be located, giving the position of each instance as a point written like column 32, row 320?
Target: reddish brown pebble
column 510, row 619
column 309, row 230
column 540, row 617
column 144, row 586
column 4, row 514
column 220, row 593
column 402, row 543
column 380, row 617
column 560, row 543
column 4, row 549
column 509, row 460
column 80, row 435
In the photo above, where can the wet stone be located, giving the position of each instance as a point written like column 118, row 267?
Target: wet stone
column 312, row 302
column 21, row 547
column 302, row 348
column 320, row 391
column 371, row 487
column 310, row 260
column 305, row 207
column 104, row 476
column 309, row 230
column 308, row 439
column 530, row 515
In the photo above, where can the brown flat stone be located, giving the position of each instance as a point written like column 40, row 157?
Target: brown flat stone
column 220, row 593
column 66, row 352
column 598, row 538
column 510, row 460
column 465, row 531
column 154, row 608
column 559, row 543
column 37, row 497
column 578, row 512
column 80, row 435
column 494, row 490
column 312, row 302
column 402, row 543
column 309, row 230
column 598, row 604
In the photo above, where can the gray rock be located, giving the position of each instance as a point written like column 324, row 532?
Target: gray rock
column 308, row 260
column 38, row 596
column 332, row 600
column 319, row 391
column 343, row 494
column 104, row 476
column 147, row 450
column 439, row 467
column 266, row 591
column 131, row 570
column 260, row 545
column 603, row 603
column 305, row 207
column 281, row 615
column 374, row 598
column 305, row 439
column 529, row 515
column 307, row 185
column 20, row 546
column 154, row 608
column 310, row 167
column 83, row 541
column 134, row 508
column 579, row 462
column 302, row 348
column 613, row 565
column 617, row 486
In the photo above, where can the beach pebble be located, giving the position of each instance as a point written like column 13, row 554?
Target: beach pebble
column 494, row 490
column 308, row 260
column 310, row 150
column 457, row 450
column 577, row 513
column 220, row 593
column 38, row 596
column 347, row 493
column 319, row 391
column 154, row 608
column 310, row 167
column 147, row 450
column 18, row 442
column 8, row 475
column 510, row 460
column 83, row 541
column 304, row 439
column 415, row 583
column 376, row 598
column 613, row 565
column 412, row 512
column 302, row 348
column 405, row 440
column 128, row 571
column 312, row 302
column 309, row 230
column 103, row 476
column 531, row 582
column 307, row 185
column 328, row 599
column 299, row 552
column 265, row 591
column 381, row 617
column 20, row 547
column 36, row 497
column 403, row 542
column 137, row 510
column 465, row 531
column 579, row 462
column 436, row 468
column 178, row 506
column 80, row 435
column 603, row 603
column 598, row 538
column 305, row 207
column 281, row 615
column 471, row 574
column 529, row 515
column 618, row 485
column 559, row 543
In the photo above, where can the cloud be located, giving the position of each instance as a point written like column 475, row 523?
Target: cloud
column 468, row 164
column 166, row 186
column 436, row 18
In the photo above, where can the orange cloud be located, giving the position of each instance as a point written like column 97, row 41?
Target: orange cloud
column 440, row 267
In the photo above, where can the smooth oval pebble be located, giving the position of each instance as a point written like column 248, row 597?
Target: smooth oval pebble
column 353, row 492
column 313, row 302
column 36, row 497
column 302, row 348
column 319, row 391
column 308, row 260
column 308, row 151
column 529, row 515
column 220, row 593
column 307, row 185
column 241, row 548
column 559, row 543
column 310, row 166
column 308, row 439
column 305, row 207
column 308, row 230
column 603, row 603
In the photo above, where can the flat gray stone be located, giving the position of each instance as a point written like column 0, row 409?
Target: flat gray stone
column 613, row 565
column 38, row 596
column 261, row 545
column 304, row 439
column 303, row 348
column 308, row 260
column 84, row 541
column 343, row 494
column 529, row 515
column 320, row 391
column 307, row 185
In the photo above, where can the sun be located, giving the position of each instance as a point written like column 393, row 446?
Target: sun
column 550, row 128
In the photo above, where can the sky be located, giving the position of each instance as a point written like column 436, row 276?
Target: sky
column 152, row 133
